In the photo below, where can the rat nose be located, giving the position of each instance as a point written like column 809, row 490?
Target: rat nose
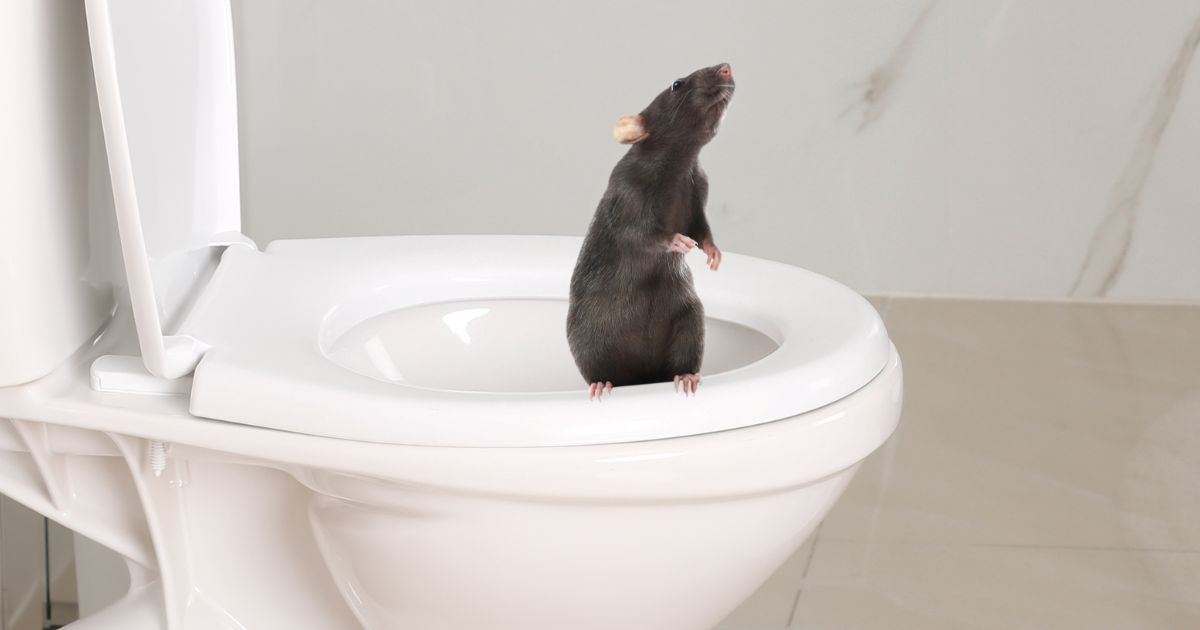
column 726, row 71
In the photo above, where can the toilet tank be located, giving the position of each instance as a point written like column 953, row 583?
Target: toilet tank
column 55, row 199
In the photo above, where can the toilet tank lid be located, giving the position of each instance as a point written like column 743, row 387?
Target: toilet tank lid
column 165, row 83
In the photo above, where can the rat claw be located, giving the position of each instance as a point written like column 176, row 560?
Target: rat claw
column 597, row 390
column 714, row 254
column 690, row 383
column 681, row 244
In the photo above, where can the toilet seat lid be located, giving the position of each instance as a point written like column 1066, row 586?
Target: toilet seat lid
column 165, row 83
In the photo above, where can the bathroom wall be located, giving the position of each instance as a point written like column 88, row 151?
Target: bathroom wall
column 1009, row 148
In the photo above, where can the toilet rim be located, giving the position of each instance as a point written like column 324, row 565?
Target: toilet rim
column 262, row 314
column 750, row 460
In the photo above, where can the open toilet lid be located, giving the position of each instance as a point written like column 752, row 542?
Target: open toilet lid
column 165, row 82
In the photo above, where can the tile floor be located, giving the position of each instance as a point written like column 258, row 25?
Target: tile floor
column 1046, row 474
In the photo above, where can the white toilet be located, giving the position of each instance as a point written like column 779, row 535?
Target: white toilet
column 384, row 433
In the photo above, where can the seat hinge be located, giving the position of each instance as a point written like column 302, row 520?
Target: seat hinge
column 128, row 375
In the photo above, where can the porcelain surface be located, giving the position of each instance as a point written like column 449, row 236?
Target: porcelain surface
column 48, row 132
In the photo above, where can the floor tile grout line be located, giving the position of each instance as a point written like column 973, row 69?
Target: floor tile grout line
column 795, row 606
column 1086, row 548
column 965, row 545
column 812, row 551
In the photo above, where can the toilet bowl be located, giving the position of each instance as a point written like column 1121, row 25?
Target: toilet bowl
column 389, row 432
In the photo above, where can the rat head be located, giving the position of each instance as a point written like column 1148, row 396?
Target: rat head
column 685, row 115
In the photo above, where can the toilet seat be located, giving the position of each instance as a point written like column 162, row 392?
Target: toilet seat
column 269, row 317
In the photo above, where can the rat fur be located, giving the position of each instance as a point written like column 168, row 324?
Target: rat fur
column 634, row 315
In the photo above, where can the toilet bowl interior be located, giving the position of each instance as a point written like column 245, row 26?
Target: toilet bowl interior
column 500, row 345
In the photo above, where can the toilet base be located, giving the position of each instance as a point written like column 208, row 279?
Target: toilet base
column 225, row 540
column 462, row 563
column 446, row 562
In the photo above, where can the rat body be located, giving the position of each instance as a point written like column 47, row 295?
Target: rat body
column 634, row 315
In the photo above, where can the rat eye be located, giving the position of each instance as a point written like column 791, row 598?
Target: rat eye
column 676, row 85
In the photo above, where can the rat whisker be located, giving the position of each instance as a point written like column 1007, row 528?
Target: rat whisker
column 678, row 105
column 674, row 111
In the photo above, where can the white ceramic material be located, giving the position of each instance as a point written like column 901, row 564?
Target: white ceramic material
column 388, row 433
column 45, row 137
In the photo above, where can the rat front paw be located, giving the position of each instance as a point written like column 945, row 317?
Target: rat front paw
column 714, row 254
column 681, row 244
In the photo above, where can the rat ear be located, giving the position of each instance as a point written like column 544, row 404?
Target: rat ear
column 630, row 130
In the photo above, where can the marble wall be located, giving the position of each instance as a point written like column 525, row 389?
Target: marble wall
column 1008, row 148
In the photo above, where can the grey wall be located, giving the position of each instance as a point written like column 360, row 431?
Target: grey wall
column 1014, row 148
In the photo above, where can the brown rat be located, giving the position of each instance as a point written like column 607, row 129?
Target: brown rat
column 634, row 315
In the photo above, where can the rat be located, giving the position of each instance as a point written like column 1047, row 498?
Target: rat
column 634, row 316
